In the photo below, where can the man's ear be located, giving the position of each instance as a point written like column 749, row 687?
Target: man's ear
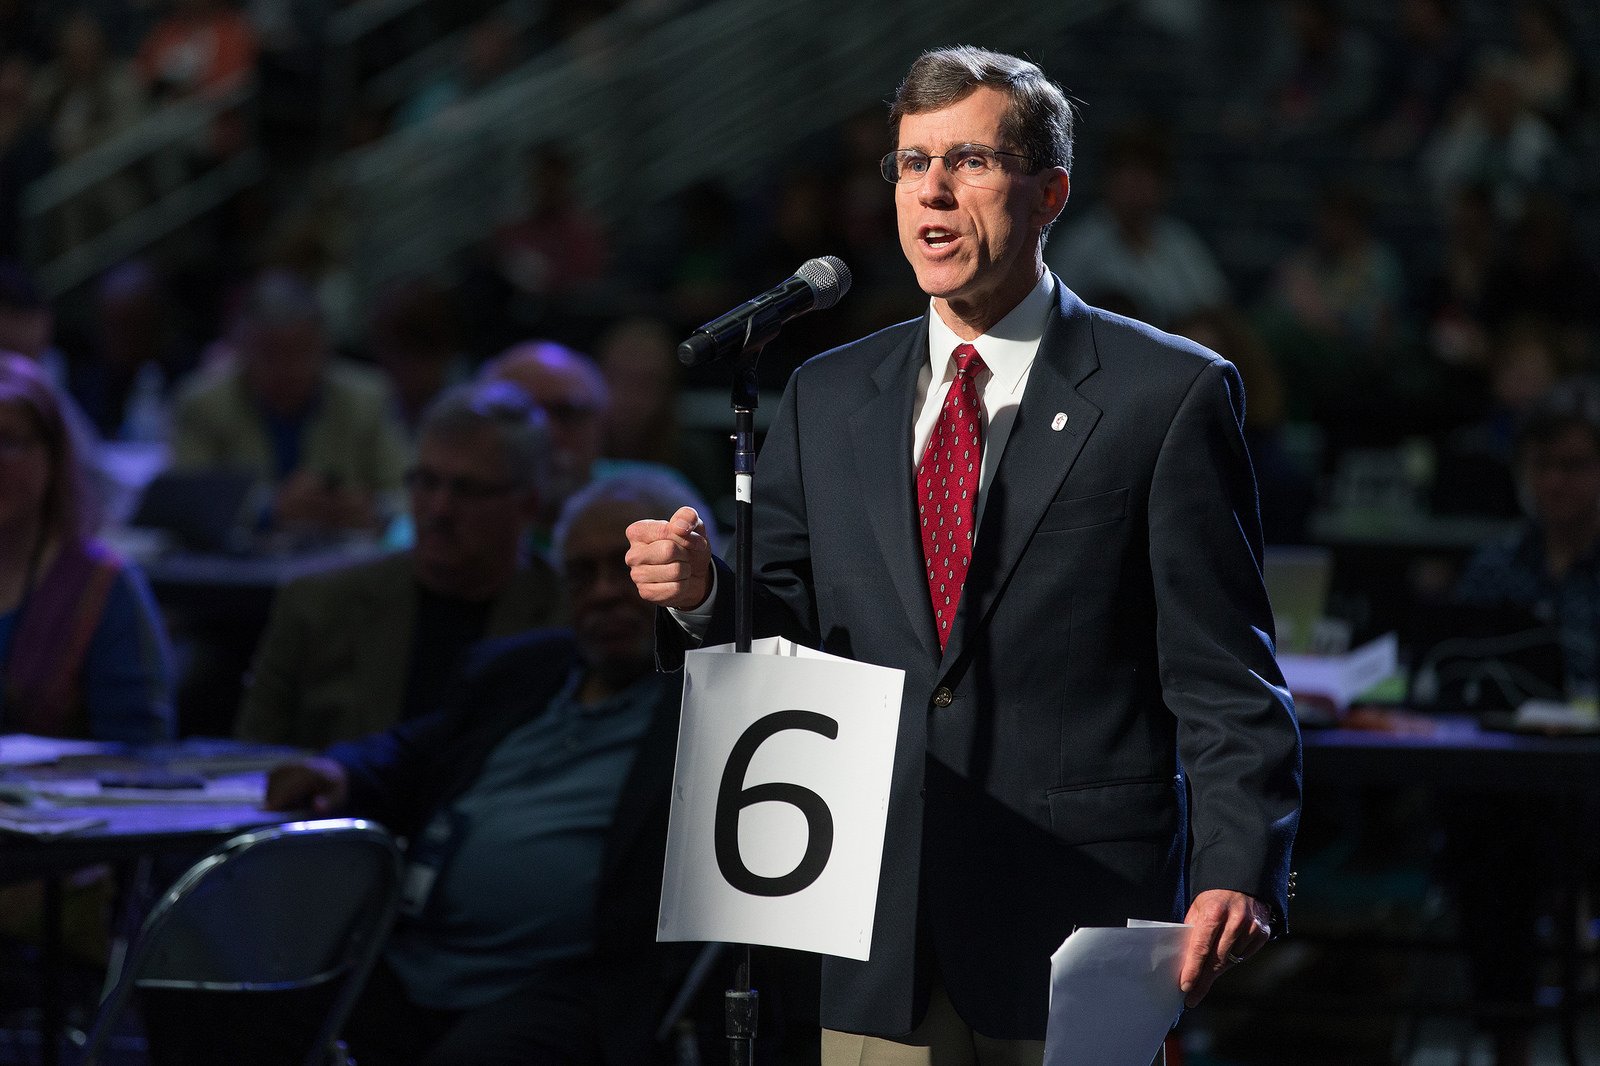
column 1054, row 187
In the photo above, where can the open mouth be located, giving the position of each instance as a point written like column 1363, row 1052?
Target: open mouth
column 936, row 238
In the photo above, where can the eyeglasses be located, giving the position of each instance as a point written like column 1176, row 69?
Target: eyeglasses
column 418, row 479
column 974, row 164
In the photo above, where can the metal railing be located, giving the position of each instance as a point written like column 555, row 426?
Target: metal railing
column 650, row 104
column 166, row 155
column 655, row 97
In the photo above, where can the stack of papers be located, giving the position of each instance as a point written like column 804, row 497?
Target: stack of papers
column 44, row 821
column 1114, row 994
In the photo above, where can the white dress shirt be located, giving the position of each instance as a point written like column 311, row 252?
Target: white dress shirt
column 1007, row 350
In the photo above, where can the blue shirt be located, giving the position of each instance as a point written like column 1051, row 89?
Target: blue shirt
column 518, row 882
column 127, row 668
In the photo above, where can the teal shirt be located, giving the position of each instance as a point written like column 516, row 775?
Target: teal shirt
column 517, row 886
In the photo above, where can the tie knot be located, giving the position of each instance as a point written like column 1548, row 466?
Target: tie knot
column 968, row 361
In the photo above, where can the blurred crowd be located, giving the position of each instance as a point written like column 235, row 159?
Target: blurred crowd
column 1384, row 214
column 1419, row 318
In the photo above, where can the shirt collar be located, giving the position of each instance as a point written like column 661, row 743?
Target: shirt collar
column 1007, row 348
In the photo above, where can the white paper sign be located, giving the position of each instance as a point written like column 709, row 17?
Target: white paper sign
column 1114, row 994
column 780, row 798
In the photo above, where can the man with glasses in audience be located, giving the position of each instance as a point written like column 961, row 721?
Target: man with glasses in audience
column 1094, row 727
column 356, row 650
column 534, row 803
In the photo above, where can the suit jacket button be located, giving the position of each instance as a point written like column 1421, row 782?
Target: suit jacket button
column 942, row 696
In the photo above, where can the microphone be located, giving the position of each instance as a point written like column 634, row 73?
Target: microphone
column 816, row 286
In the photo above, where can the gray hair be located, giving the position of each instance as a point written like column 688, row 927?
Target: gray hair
column 660, row 489
column 504, row 408
column 1038, row 123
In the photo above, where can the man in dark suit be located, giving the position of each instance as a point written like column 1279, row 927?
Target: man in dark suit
column 1094, row 727
column 535, row 806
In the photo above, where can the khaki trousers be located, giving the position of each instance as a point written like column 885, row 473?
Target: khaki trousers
column 942, row 1039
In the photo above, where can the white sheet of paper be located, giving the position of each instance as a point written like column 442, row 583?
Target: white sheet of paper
column 1114, row 994
column 25, row 749
column 725, row 697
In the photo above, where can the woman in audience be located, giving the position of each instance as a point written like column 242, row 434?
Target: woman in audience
column 82, row 651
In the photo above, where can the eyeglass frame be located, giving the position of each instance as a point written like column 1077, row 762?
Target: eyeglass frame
column 887, row 168
column 421, row 479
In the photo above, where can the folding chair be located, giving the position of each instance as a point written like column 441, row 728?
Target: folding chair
column 275, row 912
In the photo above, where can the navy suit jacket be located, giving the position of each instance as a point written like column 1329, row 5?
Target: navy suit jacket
column 1107, row 732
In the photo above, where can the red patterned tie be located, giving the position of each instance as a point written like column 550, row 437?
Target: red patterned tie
column 947, row 489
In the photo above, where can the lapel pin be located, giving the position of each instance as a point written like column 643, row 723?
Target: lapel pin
column 1059, row 421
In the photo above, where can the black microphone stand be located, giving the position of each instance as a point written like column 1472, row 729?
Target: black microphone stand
column 741, row 1003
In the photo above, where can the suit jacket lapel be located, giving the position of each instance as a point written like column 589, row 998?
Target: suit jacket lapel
column 1036, row 460
column 882, row 427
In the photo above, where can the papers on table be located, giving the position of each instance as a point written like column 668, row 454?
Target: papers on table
column 1114, row 994
column 45, row 821
column 241, row 788
column 23, row 749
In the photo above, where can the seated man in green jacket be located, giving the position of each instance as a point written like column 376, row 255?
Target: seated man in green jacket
column 321, row 432
column 355, row 650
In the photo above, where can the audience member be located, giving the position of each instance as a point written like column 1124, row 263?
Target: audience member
column 571, row 391
column 1425, row 71
column 489, row 50
column 356, row 650
column 1127, row 245
column 639, row 360
column 82, row 650
column 1476, row 467
column 133, row 358
column 570, row 388
column 1550, row 566
column 28, row 327
column 883, row 290
column 1334, row 315
column 1543, row 271
column 557, row 244
column 88, row 96
column 201, row 46
column 413, row 335
column 1545, row 62
column 536, row 806
column 1316, row 76
column 1496, row 140
column 321, row 432
column 1456, row 294
column 702, row 280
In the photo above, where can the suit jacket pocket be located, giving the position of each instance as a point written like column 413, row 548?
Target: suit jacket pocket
column 1136, row 809
column 1083, row 511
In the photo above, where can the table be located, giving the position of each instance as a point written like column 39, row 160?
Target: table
column 1456, row 754
column 1451, row 755
column 174, row 825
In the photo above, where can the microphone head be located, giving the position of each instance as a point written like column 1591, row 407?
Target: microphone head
column 828, row 279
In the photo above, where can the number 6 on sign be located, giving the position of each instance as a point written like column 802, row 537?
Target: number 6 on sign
column 779, row 799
